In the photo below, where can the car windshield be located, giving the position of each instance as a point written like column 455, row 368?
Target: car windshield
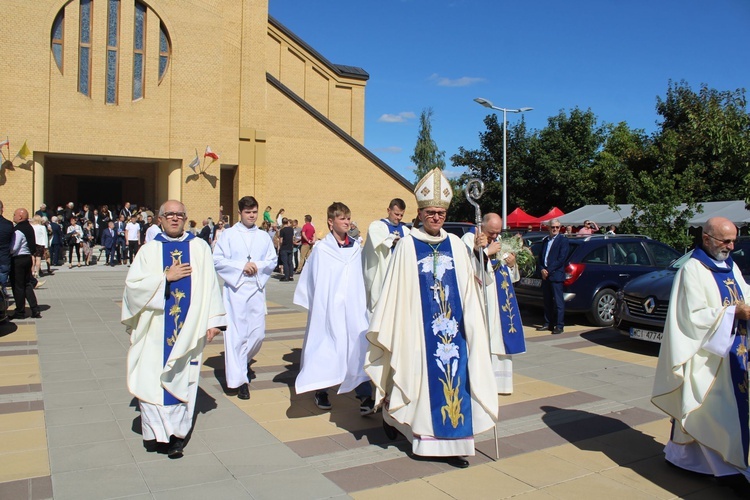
column 680, row 261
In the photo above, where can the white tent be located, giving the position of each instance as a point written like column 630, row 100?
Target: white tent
column 604, row 216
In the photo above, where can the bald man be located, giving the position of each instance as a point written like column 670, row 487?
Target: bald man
column 24, row 242
column 701, row 377
column 506, row 329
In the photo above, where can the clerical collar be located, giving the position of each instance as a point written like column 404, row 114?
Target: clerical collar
column 422, row 235
column 387, row 221
column 179, row 238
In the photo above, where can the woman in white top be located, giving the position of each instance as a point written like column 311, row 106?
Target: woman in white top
column 74, row 236
column 280, row 218
column 42, row 242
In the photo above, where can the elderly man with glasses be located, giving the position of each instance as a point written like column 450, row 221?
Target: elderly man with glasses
column 552, row 261
column 429, row 353
column 701, row 378
column 171, row 306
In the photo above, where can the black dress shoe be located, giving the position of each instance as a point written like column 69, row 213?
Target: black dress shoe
column 18, row 316
column 176, row 446
column 542, row 328
column 557, row 330
column 459, row 462
column 36, row 315
column 390, row 431
column 150, row 445
column 243, row 392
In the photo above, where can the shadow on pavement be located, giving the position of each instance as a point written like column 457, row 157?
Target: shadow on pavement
column 627, row 447
column 611, row 337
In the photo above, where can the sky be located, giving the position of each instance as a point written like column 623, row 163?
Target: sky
column 614, row 57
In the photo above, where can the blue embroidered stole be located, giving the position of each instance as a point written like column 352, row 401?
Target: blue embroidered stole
column 394, row 229
column 731, row 293
column 178, row 301
column 510, row 316
column 447, row 364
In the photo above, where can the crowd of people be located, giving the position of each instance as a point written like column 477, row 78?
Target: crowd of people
column 419, row 323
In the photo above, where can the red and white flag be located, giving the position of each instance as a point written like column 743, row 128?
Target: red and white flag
column 210, row 154
column 4, row 143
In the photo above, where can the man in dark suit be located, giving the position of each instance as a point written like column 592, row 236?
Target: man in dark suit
column 55, row 243
column 109, row 241
column 552, row 262
column 6, row 243
column 24, row 241
column 120, row 246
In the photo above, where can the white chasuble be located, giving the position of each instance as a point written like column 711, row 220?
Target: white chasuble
column 164, row 366
column 398, row 355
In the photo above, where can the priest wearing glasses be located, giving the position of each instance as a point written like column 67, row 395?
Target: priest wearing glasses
column 429, row 353
column 171, row 306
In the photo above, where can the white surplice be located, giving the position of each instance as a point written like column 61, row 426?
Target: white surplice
column 244, row 296
column 143, row 315
column 397, row 356
column 332, row 289
column 693, row 383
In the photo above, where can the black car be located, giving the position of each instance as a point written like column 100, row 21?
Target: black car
column 641, row 307
column 598, row 266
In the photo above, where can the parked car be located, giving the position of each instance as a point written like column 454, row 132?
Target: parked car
column 458, row 228
column 641, row 306
column 598, row 266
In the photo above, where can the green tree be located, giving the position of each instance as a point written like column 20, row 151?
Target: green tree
column 426, row 155
column 700, row 153
column 563, row 155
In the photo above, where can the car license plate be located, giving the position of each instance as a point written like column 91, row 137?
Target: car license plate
column 531, row 282
column 648, row 335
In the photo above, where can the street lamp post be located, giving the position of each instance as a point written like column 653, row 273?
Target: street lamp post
column 488, row 104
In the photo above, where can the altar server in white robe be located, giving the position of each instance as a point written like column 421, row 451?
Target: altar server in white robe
column 332, row 290
column 244, row 257
column 171, row 305
column 429, row 353
column 382, row 236
column 701, row 378
column 506, row 328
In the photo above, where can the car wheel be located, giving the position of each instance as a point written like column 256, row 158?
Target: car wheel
column 603, row 308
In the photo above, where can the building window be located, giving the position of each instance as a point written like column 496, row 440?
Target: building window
column 139, row 50
column 84, row 48
column 165, row 50
column 58, row 27
column 113, row 37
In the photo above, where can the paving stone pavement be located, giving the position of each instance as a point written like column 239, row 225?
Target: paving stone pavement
column 579, row 424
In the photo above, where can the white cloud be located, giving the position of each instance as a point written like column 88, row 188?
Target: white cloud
column 399, row 118
column 464, row 81
column 389, row 149
column 452, row 174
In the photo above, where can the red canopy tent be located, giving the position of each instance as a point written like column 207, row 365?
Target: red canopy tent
column 518, row 218
column 555, row 213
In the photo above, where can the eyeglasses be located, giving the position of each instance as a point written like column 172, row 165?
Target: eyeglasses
column 174, row 215
column 725, row 242
column 555, row 227
column 432, row 214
